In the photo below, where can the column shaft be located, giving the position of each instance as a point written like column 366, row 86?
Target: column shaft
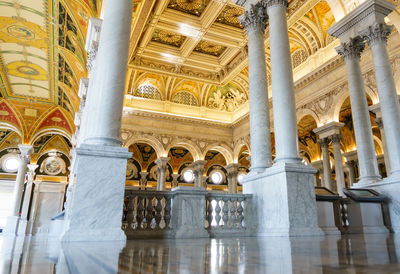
column 340, row 183
column 368, row 165
column 108, row 83
column 324, row 143
column 376, row 37
column 161, row 172
column 285, row 122
column 379, row 122
column 254, row 21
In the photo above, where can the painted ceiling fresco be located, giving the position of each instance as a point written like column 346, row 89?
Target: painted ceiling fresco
column 42, row 58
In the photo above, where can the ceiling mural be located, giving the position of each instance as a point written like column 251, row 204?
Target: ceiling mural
column 168, row 38
column 308, row 146
column 42, row 58
column 209, row 48
column 178, row 157
column 229, row 16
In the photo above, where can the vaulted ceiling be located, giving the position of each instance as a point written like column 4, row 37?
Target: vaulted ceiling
column 186, row 56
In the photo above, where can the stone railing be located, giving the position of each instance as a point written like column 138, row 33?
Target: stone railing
column 147, row 213
column 226, row 213
column 169, row 214
column 343, row 222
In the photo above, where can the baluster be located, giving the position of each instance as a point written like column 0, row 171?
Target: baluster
column 209, row 211
column 240, row 216
column 233, row 213
column 158, row 211
column 139, row 212
column 130, row 206
column 225, row 211
column 149, row 212
column 167, row 214
column 218, row 211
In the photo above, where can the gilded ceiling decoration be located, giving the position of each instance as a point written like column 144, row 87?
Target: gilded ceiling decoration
column 226, row 98
column 193, row 7
column 168, row 38
column 229, row 16
column 209, row 48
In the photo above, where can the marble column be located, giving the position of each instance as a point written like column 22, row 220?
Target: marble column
column 100, row 159
column 24, row 159
column 339, row 171
column 324, row 143
column 23, row 228
column 254, row 20
column 161, row 172
column 285, row 121
column 379, row 122
column 376, row 36
column 175, row 181
column 198, row 171
column 351, row 165
column 143, row 180
column 350, row 52
column 319, row 166
column 232, row 174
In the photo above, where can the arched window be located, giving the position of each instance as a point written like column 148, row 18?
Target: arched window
column 148, row 91
column 185, row 98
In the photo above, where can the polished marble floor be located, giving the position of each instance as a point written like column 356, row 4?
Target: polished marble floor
column 372, row 253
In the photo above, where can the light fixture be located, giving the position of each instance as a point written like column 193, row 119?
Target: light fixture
column 188, row 176
column 10, row 163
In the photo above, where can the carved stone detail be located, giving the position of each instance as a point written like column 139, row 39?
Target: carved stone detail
column 324, row 142
column 270, row 3
column 336, row 138
column 255, row 18
column 351, row 49
column 377, row 33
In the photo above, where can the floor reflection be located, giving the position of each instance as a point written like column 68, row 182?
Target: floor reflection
column 372, row 253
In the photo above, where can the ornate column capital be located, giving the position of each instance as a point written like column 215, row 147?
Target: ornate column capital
column 351, row 49
column 31, row 172
column 198, row 168
column 255, row 18
column 336, row 138
column 232, row 169
column 377, row 33
column 324, row 142
column 26, row 152
column 270, row 3
column 162, row 162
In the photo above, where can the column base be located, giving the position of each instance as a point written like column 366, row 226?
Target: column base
column 285, row 200
column 95, row 210
column 390, row 187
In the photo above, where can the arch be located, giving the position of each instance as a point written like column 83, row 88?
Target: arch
column 379, row 142
column 150, row 140
column 221, row 148
column 238, row 147
column 304, row 112
column 4, row 125
column 189, row 145
column 48, row 131
column 339, row 102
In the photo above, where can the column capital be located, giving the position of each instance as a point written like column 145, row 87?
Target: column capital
column 31, row 172
column 270, row 3
column 336, row 138
column 232, row 169
column 143, row 174
column 26, row 152
column 162, row 162
column 378, row 32
column 324, row 142
column 255, row 18
column 351, row 49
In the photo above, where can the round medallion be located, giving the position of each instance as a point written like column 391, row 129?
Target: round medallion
column 169, row 37
column 27, row 70
column 53, row 165
column 21, row 32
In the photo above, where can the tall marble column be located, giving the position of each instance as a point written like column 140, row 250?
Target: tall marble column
column 350, row 52
column 161, row 172
column 379, row 122
column 143, row 180
column 100, row 159
column 339, row 171
column 351, row 165
column 285, row 121
column 24, row 159
column 23, row 228
column 198, row 171
column 254, row 20
column 319, row 166
column 376, row 36
column 232, row 174
column 324, row 143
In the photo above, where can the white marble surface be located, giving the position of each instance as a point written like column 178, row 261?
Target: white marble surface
column 188, row 212
column 100, row 180
column 365, row 218
column 326, row 217
column 278, row 255
column 285, row 200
